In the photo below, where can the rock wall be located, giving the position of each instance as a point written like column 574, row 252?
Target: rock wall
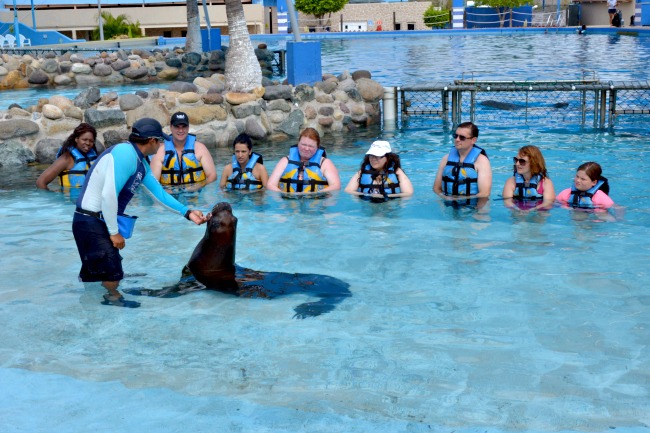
column 122, row 66
column 338, row 103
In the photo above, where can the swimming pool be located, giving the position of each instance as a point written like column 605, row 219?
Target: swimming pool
column 459, row 320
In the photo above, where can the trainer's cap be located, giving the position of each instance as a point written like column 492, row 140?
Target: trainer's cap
column 179, row 118
column 148, row 128
column 379, row 148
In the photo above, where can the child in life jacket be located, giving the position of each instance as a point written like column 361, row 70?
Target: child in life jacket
column 589, row 190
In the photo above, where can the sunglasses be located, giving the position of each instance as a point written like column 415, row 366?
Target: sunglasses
column 461, row 137
column 519, row 161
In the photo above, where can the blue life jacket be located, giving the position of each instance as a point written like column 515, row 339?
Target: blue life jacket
column 312, row 176
column 187, row 170
column 76, row 176
column 461, row 178
column 583, row 199
column 389, row 183
column 523, row 192
column 244, row 179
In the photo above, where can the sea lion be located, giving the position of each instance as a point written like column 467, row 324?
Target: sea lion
column 499, row 105
column 212, row 266
column 213, row 261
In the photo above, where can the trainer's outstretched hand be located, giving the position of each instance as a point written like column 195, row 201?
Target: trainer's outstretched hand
column 197, row 217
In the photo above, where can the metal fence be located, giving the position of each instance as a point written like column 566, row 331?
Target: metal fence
column 583, row 102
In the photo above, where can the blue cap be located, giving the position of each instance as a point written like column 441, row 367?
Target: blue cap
column 148, row 128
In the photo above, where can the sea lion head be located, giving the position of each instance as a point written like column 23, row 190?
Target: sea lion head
column 222, row 224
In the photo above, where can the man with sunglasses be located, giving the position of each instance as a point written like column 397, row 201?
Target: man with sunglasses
column 465, row 172
column 109, row 186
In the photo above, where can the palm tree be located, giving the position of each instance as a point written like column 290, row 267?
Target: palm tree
column 117, row 26
column 243, row 72
column 193, row 37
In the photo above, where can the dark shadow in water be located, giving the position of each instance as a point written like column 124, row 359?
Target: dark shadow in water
column 269, row 285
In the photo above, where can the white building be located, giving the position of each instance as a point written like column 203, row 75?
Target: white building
column 168, row 18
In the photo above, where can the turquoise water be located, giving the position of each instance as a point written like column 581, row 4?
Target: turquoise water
column 460, row 319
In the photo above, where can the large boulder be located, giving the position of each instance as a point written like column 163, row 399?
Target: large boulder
column 182, row 87
column 50, row 66
column 278, row 92
column 293, row 124
column 52, row 112
column 81, row 68
column 102, row 70
column 63, row 80
column 104, row 118
column 87, row 97
column 14, row 128
column 135, row 73
column 60, row 101
column 14, row 153
column 38, row 77
column 130, row 102
column 46, row 150
column 370, row 90
column 119, row 65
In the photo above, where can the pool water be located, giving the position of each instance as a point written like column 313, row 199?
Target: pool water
column 460, row 319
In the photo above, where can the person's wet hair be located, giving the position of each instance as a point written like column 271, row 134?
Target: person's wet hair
column 310, row 133
column 595, row 172
column 243, row 138
column 80, row 130
column 473, row 128
column 535, row 159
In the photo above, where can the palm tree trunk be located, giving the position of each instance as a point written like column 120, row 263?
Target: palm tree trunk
column 193, row 37
column 243, row 72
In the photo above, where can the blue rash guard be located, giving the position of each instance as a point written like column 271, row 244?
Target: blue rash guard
column 112, row 182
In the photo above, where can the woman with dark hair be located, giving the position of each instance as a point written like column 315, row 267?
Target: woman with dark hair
column 73, row 159
column 590, row 189
column 245, row 171
column 380, row 174
column 530, row 187
column 306, row 168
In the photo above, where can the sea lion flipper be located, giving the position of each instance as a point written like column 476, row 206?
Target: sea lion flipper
column 312, row 309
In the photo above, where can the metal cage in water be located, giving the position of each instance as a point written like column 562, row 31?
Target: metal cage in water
column 579, row 102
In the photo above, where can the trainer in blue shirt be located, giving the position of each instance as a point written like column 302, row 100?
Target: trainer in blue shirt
column 99, row 223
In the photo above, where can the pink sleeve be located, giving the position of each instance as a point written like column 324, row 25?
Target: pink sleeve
column 564, row 195
column 601, row 199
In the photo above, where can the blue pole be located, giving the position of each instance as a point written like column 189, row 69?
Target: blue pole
column 16, row 32
column 293, row 18
column 33, row 15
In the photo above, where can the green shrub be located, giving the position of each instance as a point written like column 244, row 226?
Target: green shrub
column 436, row 17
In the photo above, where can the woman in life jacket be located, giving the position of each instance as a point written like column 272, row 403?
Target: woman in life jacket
column 306, row 169
column 590, row 189
column 530, row 187
column 73, row 160
column 245, row 171
column 380, row 174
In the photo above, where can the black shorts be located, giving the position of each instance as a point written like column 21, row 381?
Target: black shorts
column 611, row 11
column 100, row 260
